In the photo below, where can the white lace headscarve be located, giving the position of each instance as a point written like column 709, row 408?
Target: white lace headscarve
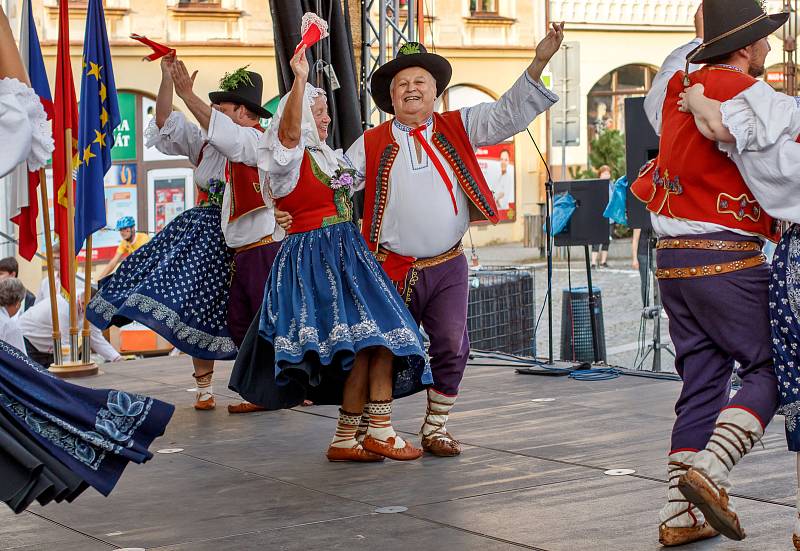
column 308, row 127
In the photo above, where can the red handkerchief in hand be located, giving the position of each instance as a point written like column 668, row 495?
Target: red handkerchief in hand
column 313, row 28
column 159, row 50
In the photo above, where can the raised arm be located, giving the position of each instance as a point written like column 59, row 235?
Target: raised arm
column 164, row 98
column 237, row 143
column 289, row 130
column 184, row 87
column 495, row 122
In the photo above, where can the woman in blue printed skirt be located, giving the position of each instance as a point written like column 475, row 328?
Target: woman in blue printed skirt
column 332, row 327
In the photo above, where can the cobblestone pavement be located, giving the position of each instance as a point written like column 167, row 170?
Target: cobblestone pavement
column 626, row 334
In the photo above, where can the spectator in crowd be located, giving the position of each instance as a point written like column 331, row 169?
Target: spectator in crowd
column 9, row 267
column 12, row 293
column 37, row 328
column 131, row 241
column 602, row 248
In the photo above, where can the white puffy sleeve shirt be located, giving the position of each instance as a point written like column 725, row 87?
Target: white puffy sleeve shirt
column 420, row 220
column 766, row 124
column 24, row 130
column 178, row 136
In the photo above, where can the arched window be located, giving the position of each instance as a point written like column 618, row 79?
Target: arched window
column 496, row 161
column 606, row 101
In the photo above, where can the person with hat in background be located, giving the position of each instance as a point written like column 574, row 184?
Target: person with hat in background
column 131, row 241
column 423, row 186
column 712, row 275
column 178, row 284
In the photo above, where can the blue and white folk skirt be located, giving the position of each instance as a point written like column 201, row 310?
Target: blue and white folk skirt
column 784, row 291
column 327, row 298
column 177, row 285
column 57, row 438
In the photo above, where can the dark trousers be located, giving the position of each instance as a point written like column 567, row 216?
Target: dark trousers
column 41, row 358
column 438, row 301
column 250, row 273
column 714, row 321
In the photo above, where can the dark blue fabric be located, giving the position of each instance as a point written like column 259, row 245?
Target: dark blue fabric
column 784, row 303
column 177, row 285
column 93, row 432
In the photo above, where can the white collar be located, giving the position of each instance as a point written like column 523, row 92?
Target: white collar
column 403, row 128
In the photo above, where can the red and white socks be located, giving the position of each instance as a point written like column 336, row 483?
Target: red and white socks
column 380, row 423
column 345, row 435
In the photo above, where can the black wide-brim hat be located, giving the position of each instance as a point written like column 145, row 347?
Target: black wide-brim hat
column 411, row 54
column 242, row 87
column 733, row 24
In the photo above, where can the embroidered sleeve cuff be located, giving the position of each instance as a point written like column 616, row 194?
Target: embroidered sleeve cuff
column 541, row 88
column 153, row 135
column 759, row 116
column 740, row 123
column 22, row 99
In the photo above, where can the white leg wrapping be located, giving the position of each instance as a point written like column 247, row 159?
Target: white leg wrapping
column 735, row 434
column 439, row 407
column 678, row 512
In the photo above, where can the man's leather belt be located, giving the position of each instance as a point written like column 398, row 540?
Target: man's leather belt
column 711, row 269
column 260, row 243
column 708, row 245
column 422, row 263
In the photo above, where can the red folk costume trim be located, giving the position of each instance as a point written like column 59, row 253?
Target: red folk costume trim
column 245, row 187
column 451, row 140
column 692, row 179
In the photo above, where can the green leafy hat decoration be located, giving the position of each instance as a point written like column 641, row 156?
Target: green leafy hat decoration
column 232, row 81
column 242, row 87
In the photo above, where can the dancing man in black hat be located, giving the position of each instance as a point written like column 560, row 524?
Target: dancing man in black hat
column 713, row 277
column 178, row 284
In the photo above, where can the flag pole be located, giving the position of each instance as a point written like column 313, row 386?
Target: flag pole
column 73, row 306
column 87, row 295
column 51, row 273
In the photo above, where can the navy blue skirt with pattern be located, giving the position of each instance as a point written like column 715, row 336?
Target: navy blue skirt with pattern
column 784, row 303
column 177, row 285
column 57, row 438
column 327, row 298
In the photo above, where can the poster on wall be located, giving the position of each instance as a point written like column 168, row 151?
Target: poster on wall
column 125, row 135
column 170, row 200
column 497, row 165
column 151, row 153
column 120, row 192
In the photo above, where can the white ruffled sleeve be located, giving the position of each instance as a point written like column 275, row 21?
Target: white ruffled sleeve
column 177, row 137
column 24, row 130
column 281, row 164
column 758, row 117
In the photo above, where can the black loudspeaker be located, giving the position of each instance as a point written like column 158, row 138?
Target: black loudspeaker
column 641, row 145
column 587, row 226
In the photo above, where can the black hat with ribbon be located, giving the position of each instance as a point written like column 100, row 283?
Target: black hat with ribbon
column 733, row 24
column 411, row 54
column 244, row 88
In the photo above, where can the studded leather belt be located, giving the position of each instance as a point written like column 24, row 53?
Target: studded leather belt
column 422, row 263
column 711, row 269
column 708, row 245
column 260, row 243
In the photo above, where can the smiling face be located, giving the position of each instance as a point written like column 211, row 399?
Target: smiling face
column 413, row 92
column 321, row 118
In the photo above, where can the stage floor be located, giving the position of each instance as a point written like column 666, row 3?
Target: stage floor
column 531, row 476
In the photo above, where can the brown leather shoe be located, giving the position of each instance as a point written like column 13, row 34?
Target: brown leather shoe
column 245, row 407
column 712, row 501
column 205, row 405
column 357, row 454
column 669, row 535
column 387, row 449
column 441, row 445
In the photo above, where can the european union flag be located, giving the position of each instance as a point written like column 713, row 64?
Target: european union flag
column 99, row 116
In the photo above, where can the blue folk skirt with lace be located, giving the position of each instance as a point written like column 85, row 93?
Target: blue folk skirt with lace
column 327, row 298
column 57, row 438
column 177, row 285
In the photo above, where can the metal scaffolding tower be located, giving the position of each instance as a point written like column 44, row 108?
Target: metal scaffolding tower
column 381, row 37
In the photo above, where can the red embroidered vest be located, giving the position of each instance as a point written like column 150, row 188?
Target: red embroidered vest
column 450, row 138
column 691, row 179
column 311, row 203
column 245, row 187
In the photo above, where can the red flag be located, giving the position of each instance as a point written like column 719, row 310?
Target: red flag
column 159, row 50
column 65, row 120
